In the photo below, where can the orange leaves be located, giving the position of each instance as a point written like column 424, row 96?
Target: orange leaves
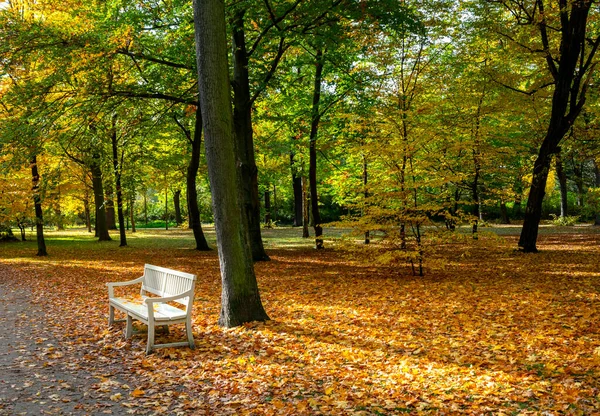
column 494, row 332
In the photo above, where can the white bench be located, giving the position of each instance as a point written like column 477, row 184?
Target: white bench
column 170, row 286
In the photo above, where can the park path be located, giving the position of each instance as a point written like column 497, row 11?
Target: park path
column 32, row 382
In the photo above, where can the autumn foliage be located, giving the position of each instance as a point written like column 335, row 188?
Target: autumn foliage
column 488, row 329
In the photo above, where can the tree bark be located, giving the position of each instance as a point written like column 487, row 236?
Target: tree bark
column 37, row 201
column 305, row 216
column 97, row 185
column 111, row 219
column 567, row 101
column 86, row 210
column 365, row 178
column 268, row 209
column 131, row 214
column 242, row 116
column 117, row 173
column 562, row 181
column 177, row 205
column 297, row 188
column 240, row 298
column 504, row 213
column 312, row 169
column 192, row 193
column 597, row 185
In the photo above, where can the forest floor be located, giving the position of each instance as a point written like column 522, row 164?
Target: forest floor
column 487, row 330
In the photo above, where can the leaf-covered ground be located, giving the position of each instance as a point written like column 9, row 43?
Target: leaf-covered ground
column 487, row 330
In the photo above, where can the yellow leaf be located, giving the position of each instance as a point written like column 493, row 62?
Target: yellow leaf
column 138, row 393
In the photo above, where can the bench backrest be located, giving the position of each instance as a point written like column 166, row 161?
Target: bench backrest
column 164, row 282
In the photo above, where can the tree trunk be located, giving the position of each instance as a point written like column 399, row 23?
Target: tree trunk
column 312, row 169
column 242, row 116
column 268, row 209
column 117, row 173
column 177, row 205
column 97, row 185
column 562, row 180
column 567, row 101
column 597, row 185
column 86, row 210
column 504, row 213
column 578, row 176
column 37, row 201
column 365, row 178
column 111, row 219
column 146, row 209
column 297, row 187
column 166, row 205
column 192, row 193
column 305, row 218
column 131, row 214
column 240, row 297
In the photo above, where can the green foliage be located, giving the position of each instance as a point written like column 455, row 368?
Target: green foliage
column 564, row 221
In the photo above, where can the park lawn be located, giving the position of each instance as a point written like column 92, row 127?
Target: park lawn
column 487, row 329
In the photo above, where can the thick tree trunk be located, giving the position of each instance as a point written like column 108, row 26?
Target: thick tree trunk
column 297, row 188
column 562, row 181
column 242, row 116
column 37, row 201
column 117, row 173
column 312, row 169
column 192, row 193
column 177, row 206
column 240, row 298
column 97, row 185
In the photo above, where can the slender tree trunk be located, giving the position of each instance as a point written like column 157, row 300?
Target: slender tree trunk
column 97, row 185
column 305, row 216
column 86, row 210
column 146, row 209
column 365, row 178
column 562, row 180
column 597, row 185
column 192, row 193
column 37, row 201
column 177, row 205
column 297, row 188
column 117, row 173
column 131, row 214
column 240, row 297
column 312, row 169
column 268, row 209
column 275, row 211
column 578, row 176
column 242, row 116
column 166, row 206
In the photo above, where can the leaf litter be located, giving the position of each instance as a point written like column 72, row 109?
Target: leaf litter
column 491, row 331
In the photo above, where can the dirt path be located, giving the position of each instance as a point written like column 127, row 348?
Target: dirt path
column 31, row 380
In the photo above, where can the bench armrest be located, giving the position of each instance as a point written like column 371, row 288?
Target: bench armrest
column 150, row 301
column 112, row 285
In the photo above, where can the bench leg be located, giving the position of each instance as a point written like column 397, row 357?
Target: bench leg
column 111, row 315
column 150, row 344
column 188, row 330
column 129, row 327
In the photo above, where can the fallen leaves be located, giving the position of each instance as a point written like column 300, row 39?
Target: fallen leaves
column 497, row 332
